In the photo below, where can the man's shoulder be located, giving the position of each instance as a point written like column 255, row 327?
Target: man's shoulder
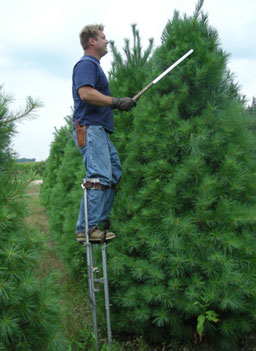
column 87, row 60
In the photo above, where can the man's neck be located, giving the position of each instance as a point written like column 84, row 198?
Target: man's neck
column 92, row 53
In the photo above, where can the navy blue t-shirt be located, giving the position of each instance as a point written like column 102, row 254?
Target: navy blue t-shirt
column 88, row 71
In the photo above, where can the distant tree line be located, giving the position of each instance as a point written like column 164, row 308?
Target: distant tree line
column 252, row 108
column 23, row 159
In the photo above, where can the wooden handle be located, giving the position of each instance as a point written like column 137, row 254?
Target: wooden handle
column 142, row 91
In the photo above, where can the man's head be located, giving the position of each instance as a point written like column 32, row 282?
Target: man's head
column 93, row 40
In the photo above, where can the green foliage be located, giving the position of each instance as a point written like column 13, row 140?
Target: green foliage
column 185, row 211
column 29, row 313
column 53, row 162
column 61, row 193
column 37, row 168
column 207, row 316
column 87, row 341
column 202, row 319
column 130, row 70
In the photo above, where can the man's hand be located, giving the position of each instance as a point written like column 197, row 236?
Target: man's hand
column 123, row 104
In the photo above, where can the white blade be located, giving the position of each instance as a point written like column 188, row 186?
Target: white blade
column 172, row 66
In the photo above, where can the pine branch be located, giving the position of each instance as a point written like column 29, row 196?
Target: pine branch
column 28, row 112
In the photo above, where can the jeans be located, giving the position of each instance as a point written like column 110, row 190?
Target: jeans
column 101, row 161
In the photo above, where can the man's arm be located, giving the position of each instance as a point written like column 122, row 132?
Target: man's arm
column 94, row 97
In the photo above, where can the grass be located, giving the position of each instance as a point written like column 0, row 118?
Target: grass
column 37, row 216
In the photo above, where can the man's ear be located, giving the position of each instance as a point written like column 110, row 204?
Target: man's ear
column 91, row 41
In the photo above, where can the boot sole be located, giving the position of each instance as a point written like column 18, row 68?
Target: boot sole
column 99, row 240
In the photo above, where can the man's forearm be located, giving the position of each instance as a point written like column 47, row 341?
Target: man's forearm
column 94, row 97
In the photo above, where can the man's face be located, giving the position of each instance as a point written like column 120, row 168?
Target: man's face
column 101, row 44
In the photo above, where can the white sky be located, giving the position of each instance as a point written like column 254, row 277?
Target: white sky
column 39, row 45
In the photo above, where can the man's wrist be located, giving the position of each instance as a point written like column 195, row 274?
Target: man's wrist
column 113, row 102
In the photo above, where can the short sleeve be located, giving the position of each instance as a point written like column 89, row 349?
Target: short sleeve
column 85, row 73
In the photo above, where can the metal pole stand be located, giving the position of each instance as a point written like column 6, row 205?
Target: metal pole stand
column 93, row 279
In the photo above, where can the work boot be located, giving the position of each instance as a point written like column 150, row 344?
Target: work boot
column 96, row 235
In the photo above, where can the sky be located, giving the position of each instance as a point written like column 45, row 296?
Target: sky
column 39, row 45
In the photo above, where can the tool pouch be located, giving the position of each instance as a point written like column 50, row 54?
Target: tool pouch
column 80, row 135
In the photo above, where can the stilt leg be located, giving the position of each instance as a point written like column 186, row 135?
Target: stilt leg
column 106, row 291
column 89, row 257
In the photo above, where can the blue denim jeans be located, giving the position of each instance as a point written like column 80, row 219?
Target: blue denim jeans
column 101, row 161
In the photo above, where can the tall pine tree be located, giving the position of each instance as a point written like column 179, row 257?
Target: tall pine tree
column 29, row 315
column 185, row 214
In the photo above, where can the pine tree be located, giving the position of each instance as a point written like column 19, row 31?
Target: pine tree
column 185, row 212
column 29, row 312
column 126, row 78
column 61, row 193
column 54, row 161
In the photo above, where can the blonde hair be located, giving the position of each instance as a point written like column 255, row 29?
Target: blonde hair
column 90, row 31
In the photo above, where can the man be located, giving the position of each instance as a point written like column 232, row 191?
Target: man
column 93, row 123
